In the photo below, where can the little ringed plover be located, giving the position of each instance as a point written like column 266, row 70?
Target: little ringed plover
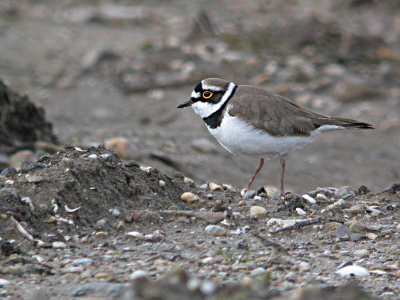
column 252, row 121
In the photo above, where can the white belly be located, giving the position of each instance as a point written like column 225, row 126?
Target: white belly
column 238, row 137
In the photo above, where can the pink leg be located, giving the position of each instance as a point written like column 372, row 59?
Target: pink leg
column 254, row 176
column 283, row 166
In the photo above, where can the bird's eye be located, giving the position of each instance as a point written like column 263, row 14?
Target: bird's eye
column 207, row 94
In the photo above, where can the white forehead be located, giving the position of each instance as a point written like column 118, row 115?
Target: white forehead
column 195, row 95
column 213, row 88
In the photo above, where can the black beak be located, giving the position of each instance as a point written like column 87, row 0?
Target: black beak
column 187, row 103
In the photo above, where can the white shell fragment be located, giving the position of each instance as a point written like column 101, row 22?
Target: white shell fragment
column 93, row 156
column 22, row 230
column 135, row 234
column 300, row 211
column 71, row 210
column 214, row 187
column 353, row 270
column 257, row 211
column 28, row 201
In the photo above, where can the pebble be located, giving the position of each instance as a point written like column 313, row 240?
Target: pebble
column 138, row 274
column 344, row 190
column 204, row 146
column 304, row 267
column 161, row 183
column 248, row 194
column 361, row 253
column 15, row 160
column 123, row 148
column 34, row 178
column 353, row 270
column 214, row 187
column 82, row 261
column 136, row 234
column 189, row 197
column 75, row 270
column 322, row 197
column 342, row 232
column 357, row 209
column 229, row 187
column 103, row 289
column 59, row 245
column 187, row 180
column 300, row 211
column 215, row 230
column 203, row 186
column 101, row 275
column 309, row 199
column 371, row 236
column 208, row 288
column 4, row 282
column 116, row 212
column 258, row 272
column 257, row 211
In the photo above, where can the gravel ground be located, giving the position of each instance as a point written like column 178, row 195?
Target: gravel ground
column 94, row 223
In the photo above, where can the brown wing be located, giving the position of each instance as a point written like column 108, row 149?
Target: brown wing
column 280, row 116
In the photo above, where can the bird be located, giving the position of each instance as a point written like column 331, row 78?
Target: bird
column 249, row 120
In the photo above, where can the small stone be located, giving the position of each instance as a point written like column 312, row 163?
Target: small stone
column 214, row 187
column 344, row 190
column 309, row 199
column 229, row 187
column 353, row 270
column 139, row 274
column 215, row 230
column 342, row 232
column 59, row 245
column 187, row 180
column 361, row 253
column 357, row 209
column 8, row 172
column 300, row 211
column 82, row 261
column 371, row 236
column 208, row 288
column 161, row 183
column 248, row 194
column 102, row 275
column 34, row 178
column 304, row 267
column 136, row 234
column 16, row 160
column 257, row 211
column 123, row 148
column 203, row 186
column 204, row 146
column 75, row 270
column 258, row 272
column 218, row 202
column 322, row 197
column 51, row 219
column 116, row 212
column 189, row 197
column 4, row 282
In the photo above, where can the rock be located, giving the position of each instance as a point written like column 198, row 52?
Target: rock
column 116, row 212
column 371, row 236
column 322, row 197
column 257, row 211
column 248, row 194
column 125, row 149
column 8, row 172
column 189, row 197
column 258, row 272
column 304, row 267
column 101, row 289
column 354, row 91
column 208, row 288
column 361, row 253
column 353, row 270
column 334, row 70
column 204, row 145
column 136, row 235
column 4, row 282
column 161, row 183
column 309, row 199
column 139, row 274
column 357, row 209
column 214, row 187
column 75, row 270
column 229, row 187
column 59, row 245
column 82, row 261
column 21, row 156
column 300, row 211
column 215, row 230
column 344, row 190
column 342, row 232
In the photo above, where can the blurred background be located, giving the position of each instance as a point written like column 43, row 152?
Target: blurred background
column 114, row 72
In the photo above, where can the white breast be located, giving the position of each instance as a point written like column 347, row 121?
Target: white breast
column 238, row 137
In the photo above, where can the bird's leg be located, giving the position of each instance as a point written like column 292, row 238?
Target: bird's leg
column 254, row 176
column 283, row 166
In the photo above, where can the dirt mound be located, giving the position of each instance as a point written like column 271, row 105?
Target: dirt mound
column 76, row 188
column 21, row 122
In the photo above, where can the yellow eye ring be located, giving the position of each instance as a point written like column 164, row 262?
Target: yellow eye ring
column 207, row 94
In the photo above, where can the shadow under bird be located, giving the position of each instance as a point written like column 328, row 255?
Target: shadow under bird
column 252, row 121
